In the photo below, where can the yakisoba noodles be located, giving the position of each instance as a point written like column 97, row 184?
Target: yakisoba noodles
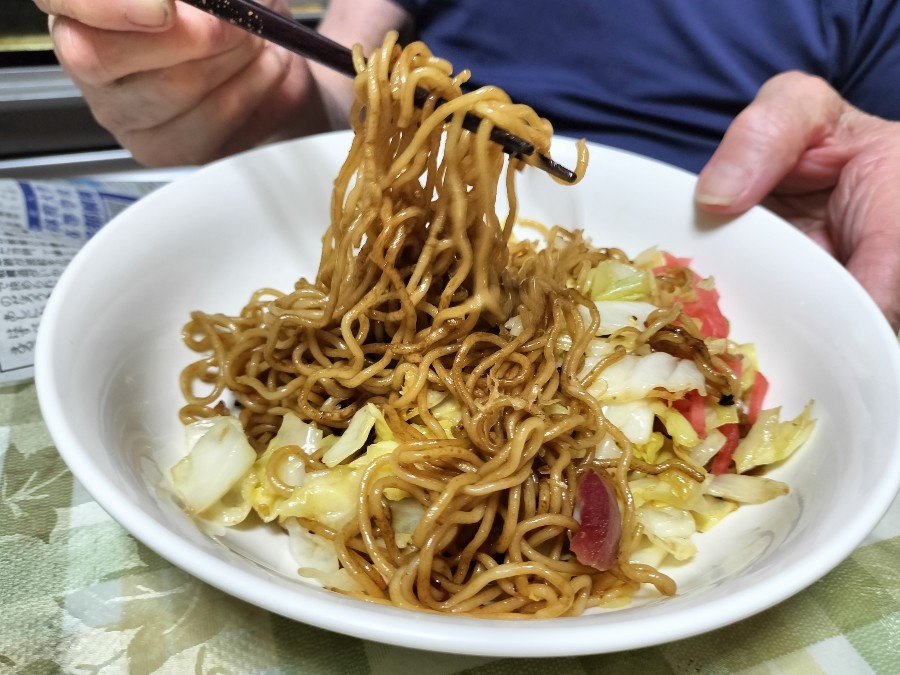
column 430, row 418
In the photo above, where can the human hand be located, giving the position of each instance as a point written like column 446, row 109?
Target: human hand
column 830, row 169
column 177, row 86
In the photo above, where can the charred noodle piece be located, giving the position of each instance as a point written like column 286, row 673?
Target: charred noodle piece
column 677, row 341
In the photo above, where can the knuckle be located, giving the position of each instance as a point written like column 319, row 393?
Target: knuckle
column 805, row 84
column 799, row 91
column 216, row 36
column 794, row 104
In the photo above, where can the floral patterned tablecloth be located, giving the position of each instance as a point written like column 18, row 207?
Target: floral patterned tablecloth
column 80, row 595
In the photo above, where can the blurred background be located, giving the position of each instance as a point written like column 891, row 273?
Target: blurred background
column 46, row 129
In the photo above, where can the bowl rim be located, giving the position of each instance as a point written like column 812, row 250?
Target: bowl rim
column 408, row 628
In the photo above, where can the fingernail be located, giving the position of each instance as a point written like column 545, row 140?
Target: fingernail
column 147, row 13
column 721, row 184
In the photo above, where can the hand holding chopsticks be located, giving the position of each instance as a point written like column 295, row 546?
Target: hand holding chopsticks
column 296, row 37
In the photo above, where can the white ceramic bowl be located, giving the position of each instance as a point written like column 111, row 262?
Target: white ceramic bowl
column 109, row 353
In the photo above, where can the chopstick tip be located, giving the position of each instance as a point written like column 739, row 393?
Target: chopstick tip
column 556, row 169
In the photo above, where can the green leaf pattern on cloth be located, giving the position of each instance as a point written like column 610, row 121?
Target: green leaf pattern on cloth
column 164, row 612
column 32, row 489
column 79, row 595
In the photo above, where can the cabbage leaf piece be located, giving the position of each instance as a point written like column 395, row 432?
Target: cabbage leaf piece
column 218, row 457
column 633, row 377
column 746, row 489
column 317, row 558
column 670, row 529
column 771, row 440
column 355, row 436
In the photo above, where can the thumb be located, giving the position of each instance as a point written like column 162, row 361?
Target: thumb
column 791, row 113
column 121, row 15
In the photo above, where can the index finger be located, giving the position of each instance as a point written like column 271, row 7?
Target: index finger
column 121, row 15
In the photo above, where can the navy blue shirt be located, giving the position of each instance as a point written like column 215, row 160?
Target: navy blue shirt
column 663, row 77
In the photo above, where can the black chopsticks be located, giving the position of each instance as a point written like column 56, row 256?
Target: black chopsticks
column 296, row 37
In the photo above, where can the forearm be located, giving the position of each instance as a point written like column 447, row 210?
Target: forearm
column 351, row 22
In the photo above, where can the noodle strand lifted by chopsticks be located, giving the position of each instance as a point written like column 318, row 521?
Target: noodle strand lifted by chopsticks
column 417, row 278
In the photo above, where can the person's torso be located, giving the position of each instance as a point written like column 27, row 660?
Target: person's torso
column 663, row 77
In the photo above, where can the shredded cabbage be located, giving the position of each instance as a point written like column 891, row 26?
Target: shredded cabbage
column 329, row 496
column 670, row 529
column 703, row 450
column 615, row 280
column 677, row 426
column 670, row 487
column 746, row 489
column 633, row 418
column 771, row 440
column 616, row 314
column 294, row 431
column 355, row 435
column 317, row 558
column 633, row 377
column 406, row 514
column 708, row 511
column 219, row 454
column 221, row 479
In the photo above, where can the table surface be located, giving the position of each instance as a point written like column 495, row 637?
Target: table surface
column 78, row 594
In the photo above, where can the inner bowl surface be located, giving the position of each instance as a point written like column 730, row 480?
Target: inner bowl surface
column 109, row 354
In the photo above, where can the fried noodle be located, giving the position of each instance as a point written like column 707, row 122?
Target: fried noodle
column 417, row 279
